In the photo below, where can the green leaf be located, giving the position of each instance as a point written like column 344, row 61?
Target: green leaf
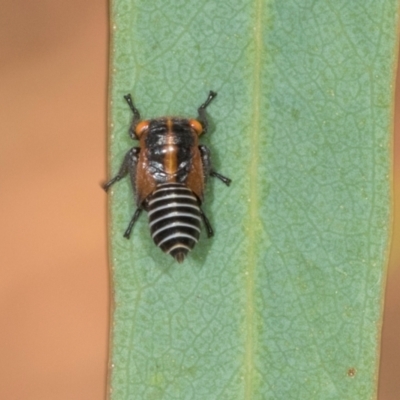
column 285, row 302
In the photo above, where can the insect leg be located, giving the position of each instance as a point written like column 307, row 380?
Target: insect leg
column 135, row 217
column 209, row 229
column 128, row 165
column 207, row 168
column 222, row 178
column 202, row 110
column 136, row 116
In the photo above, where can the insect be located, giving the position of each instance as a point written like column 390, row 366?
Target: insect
column 168, row 173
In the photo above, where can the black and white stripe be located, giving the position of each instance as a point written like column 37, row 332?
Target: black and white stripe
column 174, row 219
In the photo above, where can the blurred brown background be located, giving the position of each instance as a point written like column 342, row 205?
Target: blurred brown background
column 54, row 276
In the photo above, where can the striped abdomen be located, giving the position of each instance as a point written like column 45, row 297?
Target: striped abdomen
column 174, row 219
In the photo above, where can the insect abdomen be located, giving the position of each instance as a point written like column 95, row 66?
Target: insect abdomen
column 174, row 219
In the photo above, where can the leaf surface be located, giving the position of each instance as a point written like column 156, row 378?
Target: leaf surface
column 285, row 301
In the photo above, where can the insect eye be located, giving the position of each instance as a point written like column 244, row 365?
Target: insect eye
column 141, row 127
column 197, row 126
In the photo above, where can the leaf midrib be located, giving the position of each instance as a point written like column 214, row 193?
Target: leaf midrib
column 252, row 221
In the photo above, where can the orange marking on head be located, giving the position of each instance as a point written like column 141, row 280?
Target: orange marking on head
column 141, row 127
column 197, row 126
